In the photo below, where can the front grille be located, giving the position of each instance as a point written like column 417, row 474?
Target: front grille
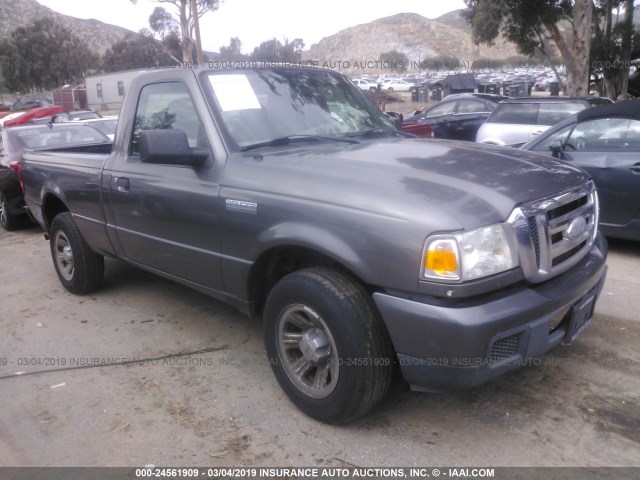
column 567, row 255
column 504, row 348
column 555, row 233
column 535, row 240
column 564, row 209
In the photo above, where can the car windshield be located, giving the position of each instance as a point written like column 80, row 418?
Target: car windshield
column 260, row 106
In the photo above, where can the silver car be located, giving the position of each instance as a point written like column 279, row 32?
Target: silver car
column 519, row 120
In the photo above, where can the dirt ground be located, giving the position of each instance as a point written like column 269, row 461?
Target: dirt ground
column 221, row 406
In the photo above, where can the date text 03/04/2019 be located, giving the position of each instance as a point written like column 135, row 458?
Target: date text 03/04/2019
column 314, row 472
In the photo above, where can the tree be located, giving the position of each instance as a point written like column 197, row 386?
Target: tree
column 162, row 23
column 397, row 61
column 173, row 45
column 614, row 45
column 535, row 26
column 267, row 51
column 187, row 21
column 441, row 62
column 274, row 51
column 233, row 51
column 44, row 55
column 136, row 51
column 292, row 50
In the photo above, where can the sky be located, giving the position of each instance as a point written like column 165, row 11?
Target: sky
column 254, row 21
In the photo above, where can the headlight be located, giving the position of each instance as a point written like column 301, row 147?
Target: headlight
column 468, row 255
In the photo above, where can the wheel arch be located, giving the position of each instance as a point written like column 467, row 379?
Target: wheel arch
column 280, row 260
column 52, row 205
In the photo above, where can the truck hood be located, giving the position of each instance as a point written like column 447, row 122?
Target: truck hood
column 471, row 185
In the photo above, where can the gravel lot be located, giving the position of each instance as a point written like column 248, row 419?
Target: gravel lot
column 207, row 396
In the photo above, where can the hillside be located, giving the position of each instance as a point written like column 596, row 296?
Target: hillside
column 412, row 34
column 98, row 35
column 454, row 19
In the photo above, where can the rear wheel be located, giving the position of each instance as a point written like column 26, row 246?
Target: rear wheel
column 327, row 345
column 8, row 221
column 79, row 268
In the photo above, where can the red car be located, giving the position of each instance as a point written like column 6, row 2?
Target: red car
column 422, row 130
column 40, row 112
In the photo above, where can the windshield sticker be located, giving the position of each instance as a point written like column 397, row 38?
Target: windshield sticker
column 234, row 92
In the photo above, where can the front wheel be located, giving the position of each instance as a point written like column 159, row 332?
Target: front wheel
column 327, row 345
column 79, row 268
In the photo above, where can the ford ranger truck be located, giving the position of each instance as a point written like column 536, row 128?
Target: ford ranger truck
column 365, row 252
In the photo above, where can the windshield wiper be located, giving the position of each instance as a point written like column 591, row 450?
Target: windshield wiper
column 376, row 132
column 276, row 142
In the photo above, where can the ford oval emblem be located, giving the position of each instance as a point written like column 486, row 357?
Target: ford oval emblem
column 577, row 227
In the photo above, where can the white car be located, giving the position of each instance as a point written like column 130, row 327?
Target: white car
column 396, row 85
column 365, row 85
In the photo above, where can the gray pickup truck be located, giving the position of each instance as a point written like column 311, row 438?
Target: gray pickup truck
column 285, row 193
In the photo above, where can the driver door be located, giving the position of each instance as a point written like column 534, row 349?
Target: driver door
column 166, row 215
column 609, row 150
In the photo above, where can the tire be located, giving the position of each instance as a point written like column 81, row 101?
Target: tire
column 79, row 268
column 9, row 221
column 346, row 368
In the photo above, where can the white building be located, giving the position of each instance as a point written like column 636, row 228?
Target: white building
column 105, row 91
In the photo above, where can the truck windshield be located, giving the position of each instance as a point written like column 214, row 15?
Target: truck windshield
column 260, row 106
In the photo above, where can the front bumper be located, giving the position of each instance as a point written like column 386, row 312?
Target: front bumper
column 444, row 344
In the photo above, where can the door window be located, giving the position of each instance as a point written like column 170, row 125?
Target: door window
column 561, row 135
column 515, row 113
column 552, row 113
column 446, row 108
column 167, row 106
column 603, row 134
column 471, row 106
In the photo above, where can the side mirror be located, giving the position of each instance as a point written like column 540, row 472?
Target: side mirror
column 170, row 147
column 556, row 148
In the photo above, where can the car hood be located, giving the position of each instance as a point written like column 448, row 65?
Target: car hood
column 456, row 184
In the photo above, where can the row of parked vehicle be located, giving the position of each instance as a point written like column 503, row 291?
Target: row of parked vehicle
column 591, row 132
column 539, row 79
column 34, row 130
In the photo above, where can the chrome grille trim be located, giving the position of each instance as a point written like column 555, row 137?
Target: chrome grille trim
column 545, row 232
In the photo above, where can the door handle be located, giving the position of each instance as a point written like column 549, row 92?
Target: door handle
column 535, row 134
column 122, row 184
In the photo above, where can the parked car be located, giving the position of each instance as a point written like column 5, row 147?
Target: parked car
column 75, row 116
column 286, row 193
column 541, row 84
column 60, row 116
column 106, row 125
column 32, row 100
column 13, row 142
column 518, row 120
column 604, row 141
column 393, row 85
column 457, row 117
column 33, row 116
column 634, row 83
column 365, row 85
